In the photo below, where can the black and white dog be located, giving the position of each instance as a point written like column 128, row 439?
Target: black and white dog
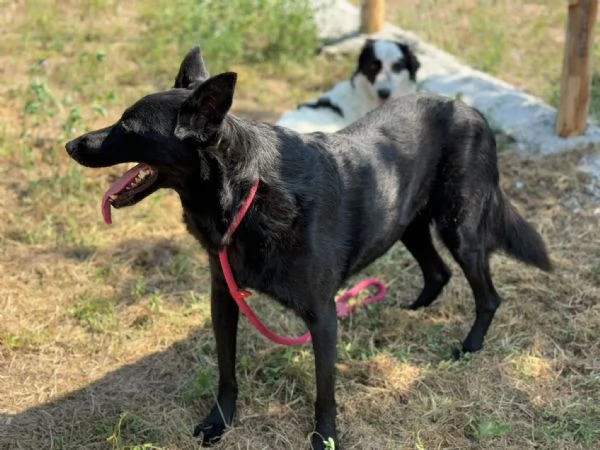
column 386, row 69
column 327, row 206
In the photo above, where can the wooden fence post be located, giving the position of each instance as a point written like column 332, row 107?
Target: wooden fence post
column 372, row 16
column 576, row 80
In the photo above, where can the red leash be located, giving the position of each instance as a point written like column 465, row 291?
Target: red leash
column 343, row 305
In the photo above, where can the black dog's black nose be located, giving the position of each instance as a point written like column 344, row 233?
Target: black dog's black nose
column 384, row 94
column 71, row 146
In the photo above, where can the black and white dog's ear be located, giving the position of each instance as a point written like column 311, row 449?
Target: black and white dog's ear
column 412, row 63
column 192, row 70
column 202, row 113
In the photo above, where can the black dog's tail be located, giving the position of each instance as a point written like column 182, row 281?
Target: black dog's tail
column 520, row 239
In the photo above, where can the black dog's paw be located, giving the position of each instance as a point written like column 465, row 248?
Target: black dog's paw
column 210, row 432
column 462, row 352
column 318, row 443
column 458, row 353
column 414, row 306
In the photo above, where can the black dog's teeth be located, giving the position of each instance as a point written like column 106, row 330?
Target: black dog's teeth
column 141, row 176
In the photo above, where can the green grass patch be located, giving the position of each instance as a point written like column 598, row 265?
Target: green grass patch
column 130, row 430
column 488, row 428
column 204, row 384
column 95, row 313
column 580, row 424
column 25, row 340
column 230, row 33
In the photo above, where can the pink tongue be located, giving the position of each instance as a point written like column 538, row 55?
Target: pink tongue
column 117, row 187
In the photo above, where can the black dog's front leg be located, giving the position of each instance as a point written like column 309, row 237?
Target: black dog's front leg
column 225, row 313
column 323, row 328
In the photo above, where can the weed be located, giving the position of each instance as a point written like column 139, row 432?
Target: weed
column 139, row 288
column 25, row 340
column 41, row 102
column 201, row 386
column 196, row 303
column 97, row 314
column 181, row 266
column 131, row 424
column 73, row 120
column 488, row 428
column 156, row 302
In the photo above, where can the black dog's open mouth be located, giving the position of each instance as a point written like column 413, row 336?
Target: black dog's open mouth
column 136, row 184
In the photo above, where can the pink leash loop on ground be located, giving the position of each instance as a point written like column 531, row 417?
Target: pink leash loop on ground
column 343, row 308
column 240, row 295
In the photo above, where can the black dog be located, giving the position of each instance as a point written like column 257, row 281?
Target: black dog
column 327, row 206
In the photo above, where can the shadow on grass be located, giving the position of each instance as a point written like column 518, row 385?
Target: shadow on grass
column 124, row 403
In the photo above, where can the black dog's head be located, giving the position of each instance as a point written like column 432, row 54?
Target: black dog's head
column 156, row 131
column 386, row 69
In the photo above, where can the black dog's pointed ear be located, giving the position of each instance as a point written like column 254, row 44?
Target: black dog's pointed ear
column 192, row 70
column 202, row 113
column 412, row 63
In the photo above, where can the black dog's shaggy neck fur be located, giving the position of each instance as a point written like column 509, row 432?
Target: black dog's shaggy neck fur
column 327, row 206
column 243, row 153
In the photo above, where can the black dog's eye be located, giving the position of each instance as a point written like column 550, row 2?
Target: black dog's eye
column 398, row 66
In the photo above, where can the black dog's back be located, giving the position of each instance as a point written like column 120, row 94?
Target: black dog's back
column 446, row 171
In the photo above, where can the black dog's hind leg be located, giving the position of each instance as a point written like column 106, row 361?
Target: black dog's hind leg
column 322, row 324
column 436, row 274
column 225, row 313
column 468, row 250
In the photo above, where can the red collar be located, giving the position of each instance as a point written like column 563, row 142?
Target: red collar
column 240, row 296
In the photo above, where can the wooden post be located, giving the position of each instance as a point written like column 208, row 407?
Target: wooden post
column 372, row 16
column 574, row 101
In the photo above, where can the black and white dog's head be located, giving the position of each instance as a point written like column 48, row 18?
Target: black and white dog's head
column 386, row 69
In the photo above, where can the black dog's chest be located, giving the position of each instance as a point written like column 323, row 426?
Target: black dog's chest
column 252, row 264
column 205, row 230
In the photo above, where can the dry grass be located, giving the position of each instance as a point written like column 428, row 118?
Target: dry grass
column 105, row 337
